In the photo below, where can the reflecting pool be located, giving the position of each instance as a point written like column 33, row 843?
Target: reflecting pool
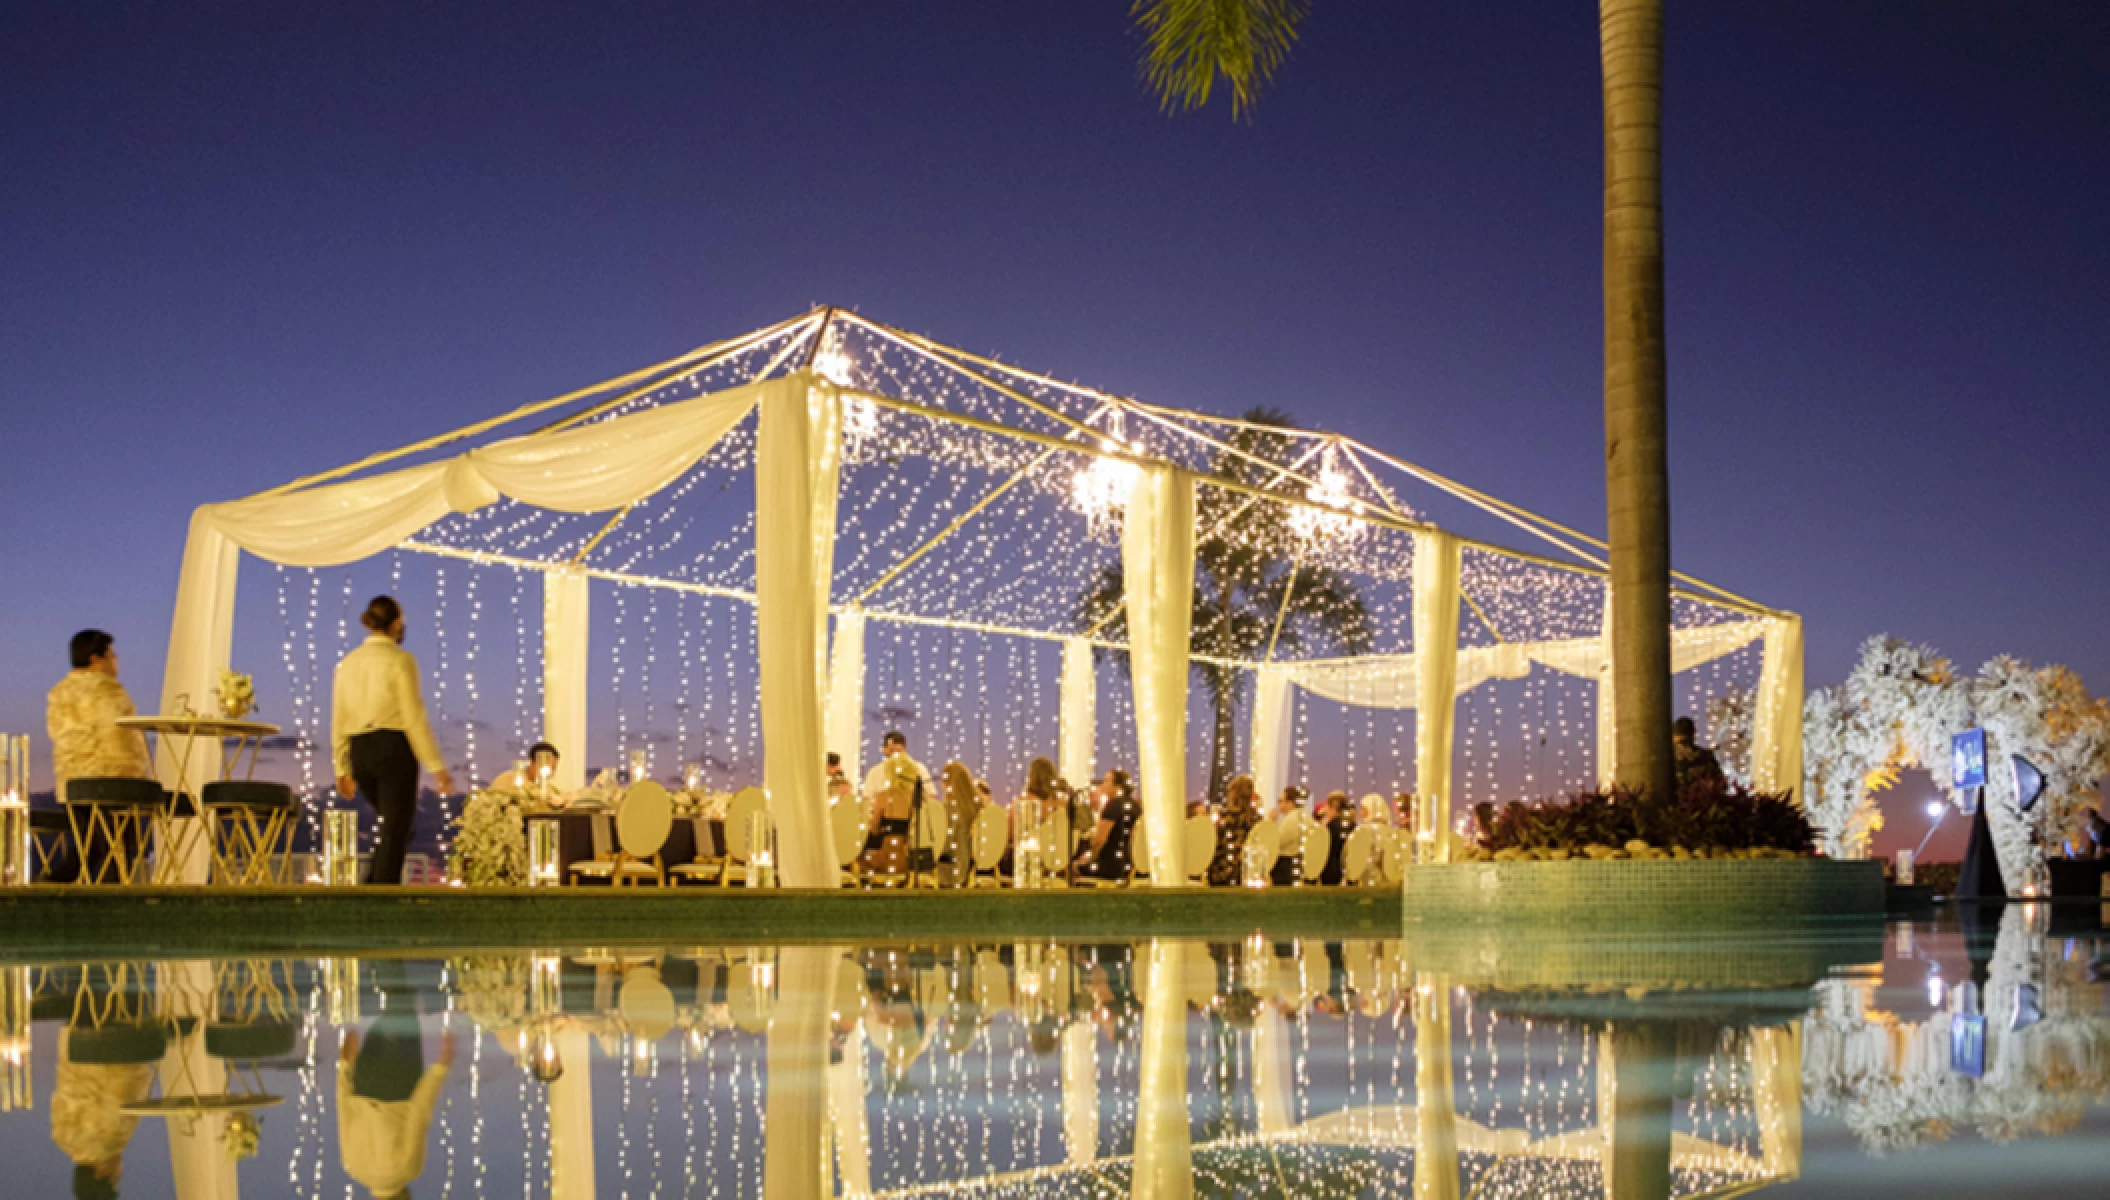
column 1963, row 1056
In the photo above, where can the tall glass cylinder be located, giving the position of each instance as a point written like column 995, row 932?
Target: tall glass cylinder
column 761, row 856
column 340, row 847
column 544, row 865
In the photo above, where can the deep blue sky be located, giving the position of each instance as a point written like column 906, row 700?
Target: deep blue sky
column 242, row 242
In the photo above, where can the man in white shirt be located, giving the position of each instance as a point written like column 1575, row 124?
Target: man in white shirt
column 386, row 1093
column 888, row 801
column 379, row 736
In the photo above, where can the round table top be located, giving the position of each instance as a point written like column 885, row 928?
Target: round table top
column 198, row 726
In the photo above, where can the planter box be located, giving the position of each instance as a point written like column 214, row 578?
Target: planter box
column 1644, row 895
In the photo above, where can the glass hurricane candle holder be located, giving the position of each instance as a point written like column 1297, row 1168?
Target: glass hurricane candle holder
column 544, row 866
column 340, row 847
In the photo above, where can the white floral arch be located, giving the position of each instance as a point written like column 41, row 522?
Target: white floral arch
column 1900, row 706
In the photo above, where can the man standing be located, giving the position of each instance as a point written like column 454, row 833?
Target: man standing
column 379, row 736
column 81, row 715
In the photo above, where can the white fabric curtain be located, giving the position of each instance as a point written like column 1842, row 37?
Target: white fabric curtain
column 1078, row 715
column 201, row 642
column 1272, row 1073
column 797, row 459
column 1776, row 735
column 849, row 1125
column 1164, row 1155
column 1080, row 1093
column 571, row 1175
column 1272, row 710
column 565, row 637
column 846, row 692
column 795, row 1110
column 1436, row 563
column 1157, row 561
column 198, row 1162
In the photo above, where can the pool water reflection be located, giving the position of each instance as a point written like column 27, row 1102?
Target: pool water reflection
column 1973, row 1058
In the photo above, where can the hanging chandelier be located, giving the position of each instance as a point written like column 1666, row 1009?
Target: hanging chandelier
column 1101, row 490
column 1332, row 515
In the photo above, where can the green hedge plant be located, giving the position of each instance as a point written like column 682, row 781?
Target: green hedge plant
column 1707, row 820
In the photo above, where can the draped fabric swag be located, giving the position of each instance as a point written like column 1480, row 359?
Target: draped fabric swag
column 798, row 456
column 1157, row 562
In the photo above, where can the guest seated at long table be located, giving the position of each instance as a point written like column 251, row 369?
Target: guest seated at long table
column 1108, row 855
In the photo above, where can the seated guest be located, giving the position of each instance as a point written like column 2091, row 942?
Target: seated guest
column 81, row 713
column 1403, row 810
column 1340, row 822
column 1107, row 857
column 839, row 788
column 1038, row 805
column 897, row 786
column 1289, row 850
column 541, row 763
column 963, row 806
column 1241, row 812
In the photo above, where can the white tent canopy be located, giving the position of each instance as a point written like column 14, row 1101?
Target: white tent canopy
column 817, row 389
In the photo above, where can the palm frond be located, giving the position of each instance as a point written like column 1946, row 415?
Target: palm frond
column 1189, row 44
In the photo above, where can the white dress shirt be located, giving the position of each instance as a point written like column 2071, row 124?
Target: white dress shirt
column 881, row 777
column 377, row 688
column 383, row 1142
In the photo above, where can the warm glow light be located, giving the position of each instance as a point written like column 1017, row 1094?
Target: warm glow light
column 1935, row 809
column 1333, row 523
column 1102, row 489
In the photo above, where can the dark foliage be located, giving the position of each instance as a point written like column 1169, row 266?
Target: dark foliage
column 1709, row 816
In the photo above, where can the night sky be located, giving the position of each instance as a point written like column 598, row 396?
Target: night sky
column 244, row 242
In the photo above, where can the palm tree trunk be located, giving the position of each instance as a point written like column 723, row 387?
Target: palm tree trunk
column 1637, row 483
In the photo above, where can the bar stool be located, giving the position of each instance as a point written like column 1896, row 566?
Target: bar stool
column 121, row 812
column 250, row 823
column 47, row 839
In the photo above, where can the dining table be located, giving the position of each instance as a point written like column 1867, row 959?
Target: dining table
column 177, row 737
column 688, row 838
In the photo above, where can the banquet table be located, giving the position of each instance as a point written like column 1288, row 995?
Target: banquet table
column 177, row 736
column 684, row 838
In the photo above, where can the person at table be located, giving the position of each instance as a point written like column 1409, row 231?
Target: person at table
column 1696, row 765
column 379, row 736
column 1241, row 811
column 838, row 782
column 1289, row 846
column 385, row 1092
column 1108, row 857
column 1043, row 798
column 1339, row 817
column 896, row 785
column 81, row 713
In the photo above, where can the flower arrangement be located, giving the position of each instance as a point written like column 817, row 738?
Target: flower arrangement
column 239, row 1139
column 236, row 694
column 490, row 841
column 493, row 988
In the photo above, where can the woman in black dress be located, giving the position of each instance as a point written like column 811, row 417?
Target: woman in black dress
column 1108, row 855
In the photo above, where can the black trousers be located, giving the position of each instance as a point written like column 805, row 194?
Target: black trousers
column 386, row 770
column 392, row 1054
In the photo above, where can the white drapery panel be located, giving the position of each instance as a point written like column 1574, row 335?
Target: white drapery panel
column 798, row 455
column 1272, row 1073
column 846, row 692
column 849, row 1125
column 565, row 611
column 1272, row 709
column 1776, row 734
column 1164, row 1152
column 590, row 468
column 1436, row 564
column 201, row 641
column 795, row 1162
column 198, row 1159
column 1078, row 715
column 1080, row 1093
column 1157, row 563
column 571, row 1117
